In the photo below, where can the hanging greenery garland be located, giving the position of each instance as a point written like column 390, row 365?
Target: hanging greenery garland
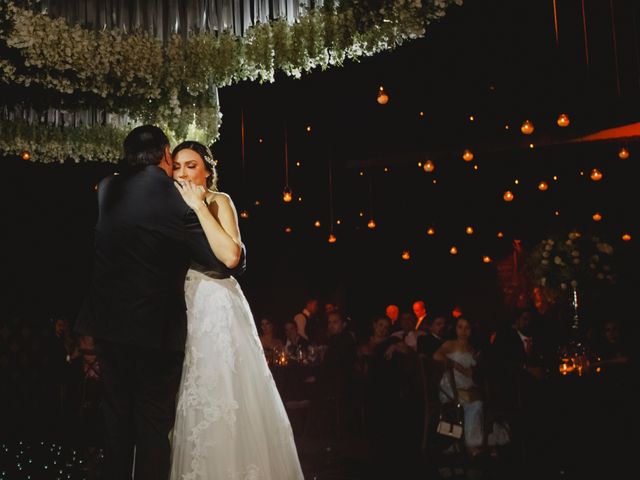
column 48, row 63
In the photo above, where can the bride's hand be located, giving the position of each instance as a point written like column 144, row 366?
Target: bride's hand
column 193, row 195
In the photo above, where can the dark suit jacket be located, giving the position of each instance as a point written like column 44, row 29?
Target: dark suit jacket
column 146, row 238
column 428, row 344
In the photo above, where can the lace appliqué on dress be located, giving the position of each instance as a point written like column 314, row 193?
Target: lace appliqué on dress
column 200, row 393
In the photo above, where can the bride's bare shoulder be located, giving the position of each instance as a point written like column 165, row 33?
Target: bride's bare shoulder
column 220, row 198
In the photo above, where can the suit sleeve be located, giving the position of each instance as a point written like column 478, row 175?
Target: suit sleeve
column 201, row 252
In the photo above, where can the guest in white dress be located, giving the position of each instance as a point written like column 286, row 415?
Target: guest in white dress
column 460, row 356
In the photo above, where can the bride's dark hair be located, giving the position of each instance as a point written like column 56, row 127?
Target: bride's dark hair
column 207, row 158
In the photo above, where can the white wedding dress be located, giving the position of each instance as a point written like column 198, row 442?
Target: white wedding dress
column 230, row 421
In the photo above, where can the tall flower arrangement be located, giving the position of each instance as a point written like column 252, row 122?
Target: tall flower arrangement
column 562, row 262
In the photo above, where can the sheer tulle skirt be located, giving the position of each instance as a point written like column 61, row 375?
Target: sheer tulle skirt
column 230, row 420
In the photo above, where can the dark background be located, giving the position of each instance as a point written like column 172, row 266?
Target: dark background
column 495, row 60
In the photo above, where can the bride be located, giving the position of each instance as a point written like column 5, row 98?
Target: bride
column 230, row 420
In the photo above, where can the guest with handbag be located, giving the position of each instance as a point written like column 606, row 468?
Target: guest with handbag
column 459, row 387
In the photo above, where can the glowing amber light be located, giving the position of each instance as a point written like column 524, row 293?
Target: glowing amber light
column 308, row 128
column 623, row 154
column 475, row 167
column 506, row 127
column 406, row 255
column 486, row 259
column 516, row 181
column 596, row 175
column 332, row 238
column 563, row 120
column 453, row 251
column 316, row 224
column 419, row 164
column 422, row 114
column 361, row 173
column 338, row 222
column 429, row 166
column 527, row 127
column 469, row 230
column 361, row 214
column 500, row 234
column 434, row 181
column 555, row 177
column 467, row 155
column 431, row 231
column 287, row 195
column 542, row 186
column 371, row 224
column 260, row 140
column 299, row 199
column 531, row 145
column 288, row 230
column 471, row 118
column 508, row 196
column 596, row 217
column 257, row 203
column 386, row 169
column 298, row 164
column 626, row 237
column 557, row 213
column 244, row 214
column 383, row 98
column 95, row 187
column 25, row 155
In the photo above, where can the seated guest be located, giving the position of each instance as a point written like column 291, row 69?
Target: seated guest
column 268, row 337
column 431, row 341
column 515, row 350
column 420, row 311
column 295, row 341
column 306, row 320
column 339, row 360
column 612, row 349
column 517, row 380
column 460, row 356
column 407, row 333
column 392, row 312
column 613, row 354
column 380, row 333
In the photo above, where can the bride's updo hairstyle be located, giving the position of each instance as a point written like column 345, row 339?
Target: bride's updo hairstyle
column 207, row 158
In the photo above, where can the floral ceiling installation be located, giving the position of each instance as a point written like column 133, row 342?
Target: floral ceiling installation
column 48, row 63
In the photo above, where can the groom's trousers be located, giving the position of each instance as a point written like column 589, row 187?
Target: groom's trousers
column 140, row 387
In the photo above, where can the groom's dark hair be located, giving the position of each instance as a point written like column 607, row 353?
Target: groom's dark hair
column 144, row 146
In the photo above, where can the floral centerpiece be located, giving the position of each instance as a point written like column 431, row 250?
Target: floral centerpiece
column 559, row 263
column 562, row 263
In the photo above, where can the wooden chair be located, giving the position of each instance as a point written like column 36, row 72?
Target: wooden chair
column 430, row 372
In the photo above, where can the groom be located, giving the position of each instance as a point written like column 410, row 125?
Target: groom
column 145, row 239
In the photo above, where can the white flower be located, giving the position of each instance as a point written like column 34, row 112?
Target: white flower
column 557, row 260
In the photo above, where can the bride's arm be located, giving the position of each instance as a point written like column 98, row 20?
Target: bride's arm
column 222, row 232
